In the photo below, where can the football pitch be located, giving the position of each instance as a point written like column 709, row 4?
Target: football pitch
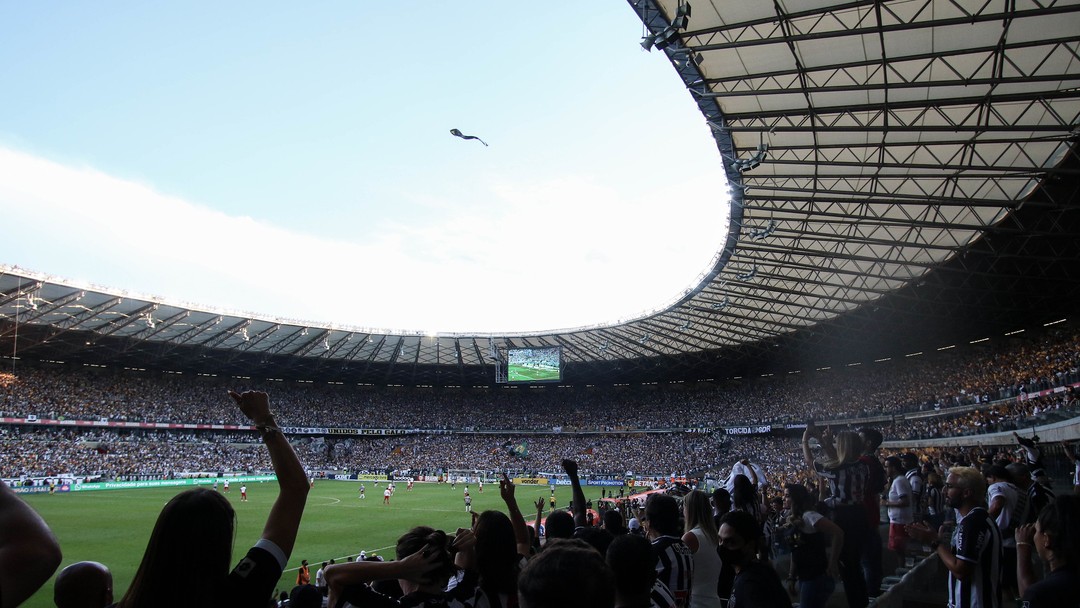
column 113, row 526
column 517, row 373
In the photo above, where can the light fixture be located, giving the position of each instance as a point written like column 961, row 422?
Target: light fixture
column 749, row 164
column 682, row 16
column 647, row 42
column 665, row 38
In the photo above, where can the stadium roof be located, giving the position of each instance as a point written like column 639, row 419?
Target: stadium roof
column 904, row 174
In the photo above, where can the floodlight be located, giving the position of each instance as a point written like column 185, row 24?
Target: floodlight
column 666, row 37
column 647, row 42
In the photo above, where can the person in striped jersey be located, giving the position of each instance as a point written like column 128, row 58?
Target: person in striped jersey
column 972, row 553
column 675, row 562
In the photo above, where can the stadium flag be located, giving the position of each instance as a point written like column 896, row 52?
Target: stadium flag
column 396, row 451
column 518, row 450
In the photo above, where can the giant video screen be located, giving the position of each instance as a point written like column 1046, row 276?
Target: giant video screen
column 534, row 364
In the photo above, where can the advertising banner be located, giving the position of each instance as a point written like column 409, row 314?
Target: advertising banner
column 164, row 483
column 530, row 481
column 605, row 482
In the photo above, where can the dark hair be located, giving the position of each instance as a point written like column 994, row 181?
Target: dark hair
column 744, row 494
column 597, row 538
column 559, row 524
column 662, row 511
column 188, row 557
column 998, row 472
column 1061, row 520
column 496, row 553
column 567, row 574
column 721, row 500
column 801, row 502
column 894, row 461
column 633, row 563
column 422, row 537
column 744, row 524
column 613, row 522
column 871, row 436
column 305, row 596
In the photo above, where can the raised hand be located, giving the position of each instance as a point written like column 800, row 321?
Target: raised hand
column 506, row 489
column 255, row 405
column 570, row 467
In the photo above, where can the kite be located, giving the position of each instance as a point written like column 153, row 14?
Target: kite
column 457, row 133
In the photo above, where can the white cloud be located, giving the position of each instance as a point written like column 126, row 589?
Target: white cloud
column 547, row 253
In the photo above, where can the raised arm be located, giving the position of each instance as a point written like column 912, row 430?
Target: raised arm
column 29, row 553
column 284, row 518
column 578, row 506
column 521, row 532
column 808, row 456
column 412, row 568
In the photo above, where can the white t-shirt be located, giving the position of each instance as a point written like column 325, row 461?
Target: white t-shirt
column 738, row 469
column 901, row 488
column 1008, row 491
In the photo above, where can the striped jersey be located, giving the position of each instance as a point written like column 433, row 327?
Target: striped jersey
column 847, row 482
column 675, row 567
column 977, row 540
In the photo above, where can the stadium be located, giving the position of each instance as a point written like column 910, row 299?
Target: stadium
column 901, row 253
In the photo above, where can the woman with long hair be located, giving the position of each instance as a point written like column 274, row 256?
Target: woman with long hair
column 813, row 572
column 845, row 478
column 186, row 562
column 495, row 558
column 702, row 540
column 745, row 497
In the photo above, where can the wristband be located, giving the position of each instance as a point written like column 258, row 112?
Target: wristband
column 1023, row 544
column 267, row 429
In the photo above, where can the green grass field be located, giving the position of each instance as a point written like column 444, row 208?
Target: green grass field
column 517, row 373
column 113, row 526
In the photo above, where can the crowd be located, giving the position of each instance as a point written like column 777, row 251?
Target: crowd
column 926, row 383
column 793, row 528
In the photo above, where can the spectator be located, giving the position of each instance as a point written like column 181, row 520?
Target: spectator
column 29, row 553
column 899, row 503
column 701, row 539
column 424, row 563
column 187, row 559
column 1006, row 506
column 83, row 585
column 633, row 564
column 973, row 554
column 1056, row 538
column 675, row 565
column 756, row 582
column 813, row 573
column 846, row 477
column 567, row 574
column 875, row 486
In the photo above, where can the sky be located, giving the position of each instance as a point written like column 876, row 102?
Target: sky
column 295, row 161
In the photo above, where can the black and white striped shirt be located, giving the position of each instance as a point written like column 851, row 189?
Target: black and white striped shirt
column 977, row 540
column 847, row 482
column 675, row 567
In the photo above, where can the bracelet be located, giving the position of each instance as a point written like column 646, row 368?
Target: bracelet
column 1023, row 544
column 267, row 429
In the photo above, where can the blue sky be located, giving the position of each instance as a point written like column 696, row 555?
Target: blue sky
column 296, row 161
